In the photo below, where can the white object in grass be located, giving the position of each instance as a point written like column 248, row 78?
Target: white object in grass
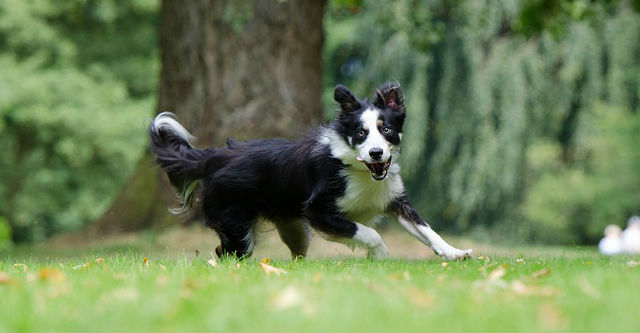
column 612, row 241
column 631, row 236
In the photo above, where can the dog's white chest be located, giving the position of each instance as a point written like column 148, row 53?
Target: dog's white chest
column 365, row 199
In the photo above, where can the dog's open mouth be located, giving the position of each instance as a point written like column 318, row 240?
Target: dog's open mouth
column 378, row 170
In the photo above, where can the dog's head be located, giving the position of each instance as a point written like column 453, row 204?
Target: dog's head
column 372, row 130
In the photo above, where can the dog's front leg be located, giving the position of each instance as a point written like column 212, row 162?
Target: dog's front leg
column 410, row 220
column 337, row 227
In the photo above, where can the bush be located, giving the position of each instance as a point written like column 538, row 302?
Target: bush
column 575, row 204
column 69, row 144
column 78, row 80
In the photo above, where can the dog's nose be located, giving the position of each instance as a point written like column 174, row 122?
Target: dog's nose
column 375, row 153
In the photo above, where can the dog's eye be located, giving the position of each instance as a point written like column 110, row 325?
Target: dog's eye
column 361, row 133
column 386, row 130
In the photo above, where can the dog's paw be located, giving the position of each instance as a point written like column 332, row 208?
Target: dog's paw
column 378, row 252
column 455, row 254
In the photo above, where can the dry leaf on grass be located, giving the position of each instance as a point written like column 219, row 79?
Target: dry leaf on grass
column 21, row 267
column 498, row 272
column 212, row 262
column 588, row 289
column 541, row 273
column 316, row 278
column 162, row 280
column 484, row 258
column 532, row 290
column 99, row 261
column 51, row 274
column 397, row 276
column 288, row 298
column 268, row 269
column 551, row 317
column 520, row 261
column 83, row 266
column 419, row 297
column 5, row 278
column 445, row 264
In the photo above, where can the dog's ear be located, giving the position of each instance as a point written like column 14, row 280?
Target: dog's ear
column 390, row 95
column 345, row 98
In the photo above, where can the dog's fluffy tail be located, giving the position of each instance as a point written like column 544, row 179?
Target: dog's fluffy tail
column 184, row 164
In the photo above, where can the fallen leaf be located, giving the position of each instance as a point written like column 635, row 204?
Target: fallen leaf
column 99, row 261
column 5, row 278
column 162, row 267
column 51, row 274
column 520, row 261
column 551, row 317
column 22, row 267
column 213, row 262
column 193, row 284
column 419, row 297
column 288, row 298
column 541, row 273
column 316, row 278
column 268, row 269
column 498, row 272
column 484, row 258
column 445, row 264
column 162, row 280
column 375, row 287
column 489, row 286
column 397, row 276
column 588, row 289
column 129, row 294
column 485, row 267
column 520, row 288
column 83, row 266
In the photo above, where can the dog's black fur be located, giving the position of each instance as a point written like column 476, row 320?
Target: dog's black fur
column 291, row 183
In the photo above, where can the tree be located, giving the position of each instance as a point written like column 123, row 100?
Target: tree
column 242, row 69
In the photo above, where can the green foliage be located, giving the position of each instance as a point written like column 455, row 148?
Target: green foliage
column 75, row 89
column 482, row 95
column 5, row 233
column 575, row 204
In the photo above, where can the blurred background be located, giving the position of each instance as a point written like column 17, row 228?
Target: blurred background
column 524, row 116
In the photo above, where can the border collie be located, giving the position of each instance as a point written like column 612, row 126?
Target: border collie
column 339, row 180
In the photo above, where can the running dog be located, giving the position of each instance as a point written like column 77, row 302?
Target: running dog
column 339, row 179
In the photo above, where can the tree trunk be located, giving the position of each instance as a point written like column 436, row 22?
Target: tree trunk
column 246, row 69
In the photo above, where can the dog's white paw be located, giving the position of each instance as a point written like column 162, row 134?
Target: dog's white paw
column 378, row 252
column 455, row 254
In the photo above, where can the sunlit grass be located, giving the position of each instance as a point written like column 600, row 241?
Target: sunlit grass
column 119, row 290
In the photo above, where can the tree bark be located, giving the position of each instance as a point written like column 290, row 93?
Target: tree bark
column 242, row 69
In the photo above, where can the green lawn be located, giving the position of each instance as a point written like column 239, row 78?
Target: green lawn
column 577, row 292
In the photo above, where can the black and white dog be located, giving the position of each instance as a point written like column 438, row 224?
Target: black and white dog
column 339, row 179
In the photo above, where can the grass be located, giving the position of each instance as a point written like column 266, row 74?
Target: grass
column 117, row 290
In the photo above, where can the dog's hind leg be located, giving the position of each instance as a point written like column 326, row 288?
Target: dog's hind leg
column 296, row 234
column 234, row 226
